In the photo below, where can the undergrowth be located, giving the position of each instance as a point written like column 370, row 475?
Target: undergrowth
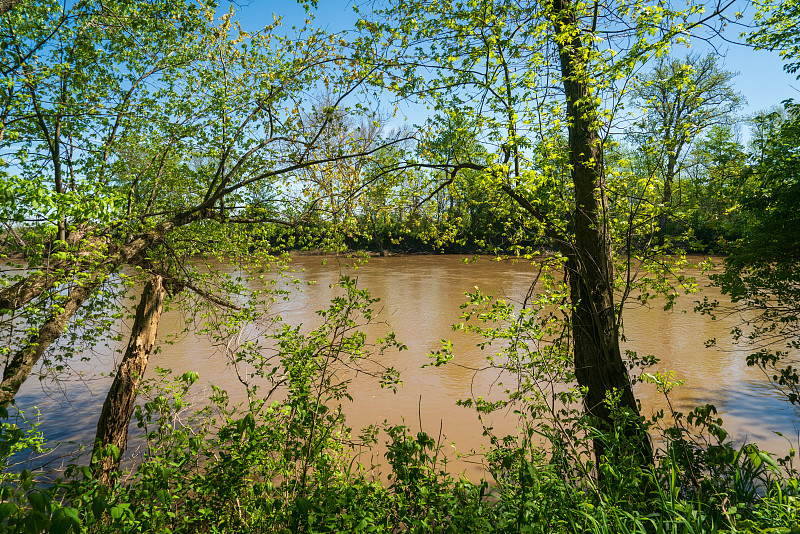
column 274, row 466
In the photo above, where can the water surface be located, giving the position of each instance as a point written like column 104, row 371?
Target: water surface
column 421, row 298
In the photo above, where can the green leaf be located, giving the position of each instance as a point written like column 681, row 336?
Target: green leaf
column 39, row 501
column 767, row 459
column 7, row 509
column 65, row 520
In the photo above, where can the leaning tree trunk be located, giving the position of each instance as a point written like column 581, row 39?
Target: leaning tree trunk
column 19, row 368
column 112, row 427
column 599, row 367
column 33, row 286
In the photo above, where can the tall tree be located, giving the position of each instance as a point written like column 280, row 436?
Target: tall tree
column 525, row 72
column 681, row 99
column 715, row 172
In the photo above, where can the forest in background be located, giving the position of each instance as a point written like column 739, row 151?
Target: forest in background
column 136, row 136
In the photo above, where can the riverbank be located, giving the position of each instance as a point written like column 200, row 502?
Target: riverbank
column 410, row 476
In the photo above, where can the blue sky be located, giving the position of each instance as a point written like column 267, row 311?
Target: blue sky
column 761, row 78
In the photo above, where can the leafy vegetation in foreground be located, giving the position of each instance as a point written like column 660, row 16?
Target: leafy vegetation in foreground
column 289, row 465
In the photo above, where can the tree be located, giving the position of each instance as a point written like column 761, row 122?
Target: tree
column 139, row 135
column 384, row 193
column 501, row 62
column 119, row 403
column 330, row 186
column 715, row 180
column 67, row 111
column 682, row 99
column 461, row 208
column 777, row 31
column 762, row 271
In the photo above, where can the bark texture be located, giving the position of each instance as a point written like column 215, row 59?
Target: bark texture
column 19, row 368
column 598, row 361
column 7, row 5
column 112, row 427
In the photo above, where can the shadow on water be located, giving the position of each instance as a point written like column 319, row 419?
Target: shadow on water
column 755, row 411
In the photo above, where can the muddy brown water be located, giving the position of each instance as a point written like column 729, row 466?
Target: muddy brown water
column 420, row 300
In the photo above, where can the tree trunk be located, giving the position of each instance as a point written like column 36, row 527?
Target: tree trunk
column 599, row 367
column 24, row 291
column 7, row 5
column 666, row 197
column 375, row 237
column 23, row 361
column 112, row 427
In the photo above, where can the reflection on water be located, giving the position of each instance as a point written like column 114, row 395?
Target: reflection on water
column 420, row 300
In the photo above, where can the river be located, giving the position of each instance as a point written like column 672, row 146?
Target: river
column 420, row 300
